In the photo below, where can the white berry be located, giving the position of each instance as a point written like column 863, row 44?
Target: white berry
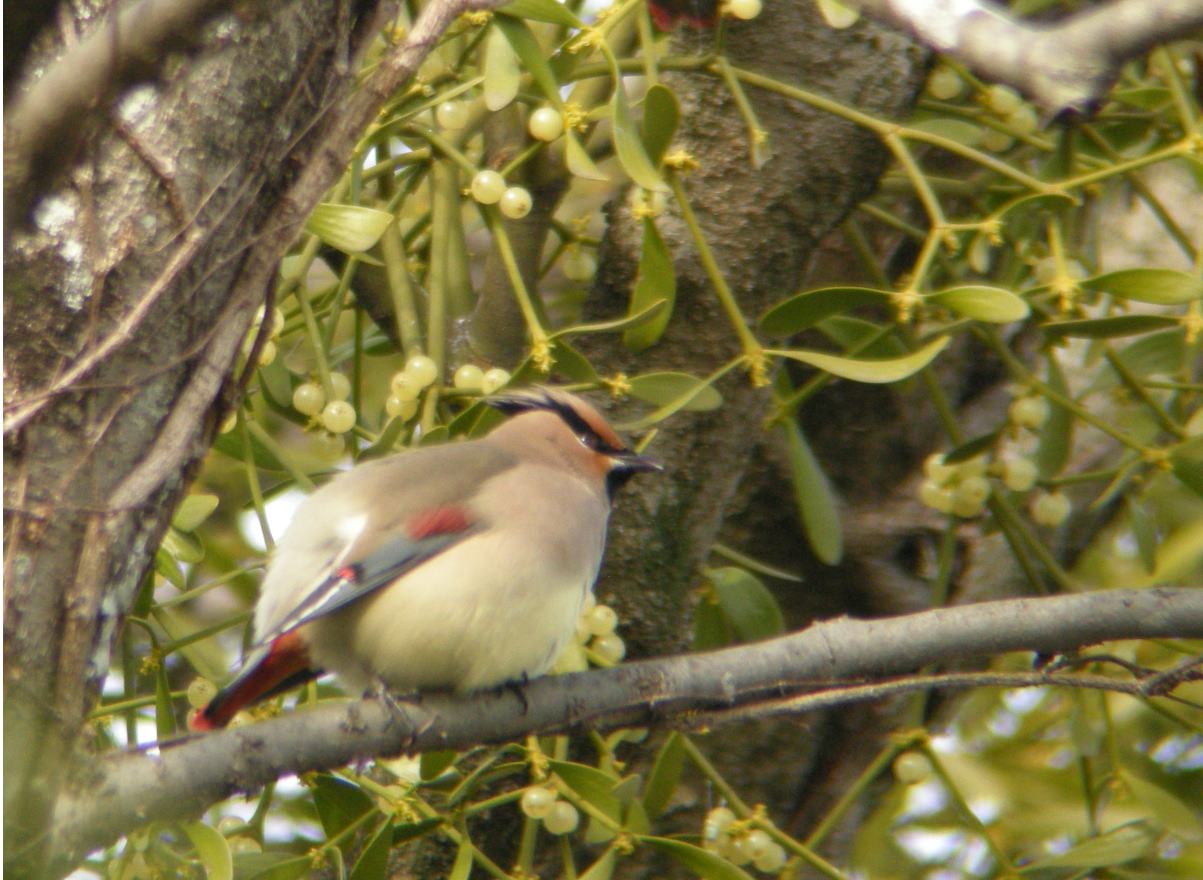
column 1029, row 412
column 340, row 386
column 469, row 377
column 601, row 620
column 1019, row 474
column 422, row 369
column 546, row 124
column 488, row 187
column 912, row 767
column 404, row 387
column 328, row 447
column 945, row 84
column 308, row 399
column 200, row 692
column 452, row 114
column 744, row 9
column 610, row 648
column 515, row 202
column 1051, row 509
column 537, row 802
column 772, row 861
column 578, row 264
column 562, row 819
column 493, row 379
column 338, row 417
column 400, row 409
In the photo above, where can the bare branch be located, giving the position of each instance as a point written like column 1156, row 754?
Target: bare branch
column 43, row 128
column 188, row 775
column 1066, row 66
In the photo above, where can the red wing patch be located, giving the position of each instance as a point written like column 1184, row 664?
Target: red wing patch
column 438, row 521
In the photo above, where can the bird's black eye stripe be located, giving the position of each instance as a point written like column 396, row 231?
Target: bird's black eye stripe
column 581, row 428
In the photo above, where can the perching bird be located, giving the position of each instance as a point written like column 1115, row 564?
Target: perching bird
column 459, row 567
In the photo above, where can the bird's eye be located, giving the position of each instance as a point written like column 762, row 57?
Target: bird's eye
column 585, row 440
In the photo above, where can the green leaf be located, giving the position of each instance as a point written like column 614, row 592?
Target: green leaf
column 1187, row 464
column 1157, row 353
column 1124, row 844
column 1056, row 434
column 462, row 869
column 665, row 774
column 432, row 764
column 164, row 709
column 534, row 60
column 663, row 388
column 1163, row 287
column 636, row 820
column 594, row 786
column 636, row 319
column 166, row 566
column 503, row 74
column 572, row 363
column 193, row 511
column 655, row 282
column 991, row 304
column 576, row 157
column 372, row 863
column 603, row 868
column 683, row 401
column 1166, row 808
column 541, row 10
column 871, row 371
column 212, row 849
column 972, row 448
column 853, row 333
column 1145, row 533
column 957, row 130
column 338, row 803
column 184, row 548
column 348, row 228
column 280, row 869
column 627, row 143
column 706, row 865
column 816, row 502
column 747, row 603
column 661, row 115
column 808, row 308
column 711, row 629
column 1107, row 328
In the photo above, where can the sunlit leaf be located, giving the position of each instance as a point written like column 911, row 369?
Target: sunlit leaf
column 531, row 55
column 212, row 849
column 435, row 761
column 871, row 371
column 193, row 511
column 594, row 786
column 338, row 803
column 991, row 304
column 549, row 11
column 1114, row 848
column 1056, row 434
column 1170, row 812
column 372, row 863
column 503, row 74
column 348, row 228
column 655, row 282
column 628, row 145
column 576, row 157
column 1164, row 287
column 664, row 388
column 815, row 499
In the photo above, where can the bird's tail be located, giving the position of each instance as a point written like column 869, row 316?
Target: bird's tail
column 283, row 664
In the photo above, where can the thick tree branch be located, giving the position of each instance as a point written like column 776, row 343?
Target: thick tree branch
column 1066, row 66
column 43, row 128
column 190, row 774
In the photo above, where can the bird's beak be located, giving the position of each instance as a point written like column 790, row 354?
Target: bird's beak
column 630, row 463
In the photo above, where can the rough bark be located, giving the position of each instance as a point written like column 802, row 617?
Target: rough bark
column 127, row 299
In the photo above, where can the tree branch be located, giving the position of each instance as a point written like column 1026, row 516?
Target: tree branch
column 1066, row 66
column 188, row 775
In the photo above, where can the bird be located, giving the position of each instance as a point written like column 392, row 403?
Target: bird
column 458, row 567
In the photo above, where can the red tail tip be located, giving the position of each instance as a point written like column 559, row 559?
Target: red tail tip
column 199, row 722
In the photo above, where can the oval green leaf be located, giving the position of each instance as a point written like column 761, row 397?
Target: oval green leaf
column 628, row 145
column 877, row 372
column 577, row 158
column 661, row 115
column 1124, row 844
column 348, row 228
column 991, row 304
column 746, row 603
column 212, row 849
column 372, row 863
column 1057, row 432
column 662, row 389
column 655, row 281
column 1163, row 287
column 193, row 511
column 503, row 75
column 808, row 308
column 549, row 11
column 666, row 773
column 707, row 865
column 815, row 499
column 531, row 55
